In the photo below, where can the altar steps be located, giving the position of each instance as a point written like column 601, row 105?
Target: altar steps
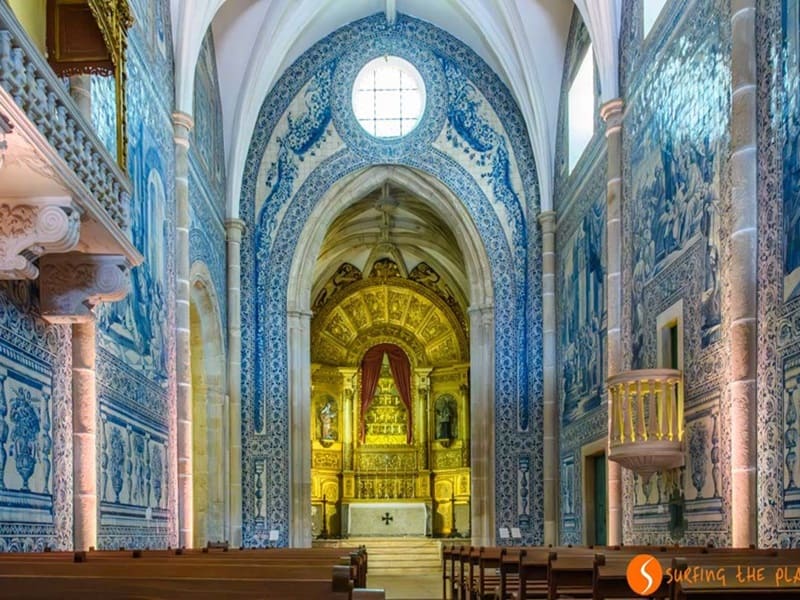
column 396, row 555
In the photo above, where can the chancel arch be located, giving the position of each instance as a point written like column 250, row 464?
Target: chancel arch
column 475, row 285
column 209, row 410
column 469, row 161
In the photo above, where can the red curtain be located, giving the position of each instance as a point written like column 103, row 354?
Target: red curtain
column 401, row 373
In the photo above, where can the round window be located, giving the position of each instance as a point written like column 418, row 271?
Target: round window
column 388, row 97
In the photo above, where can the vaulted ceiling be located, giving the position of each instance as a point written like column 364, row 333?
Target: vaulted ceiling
column 522, row 40
column 393, row 223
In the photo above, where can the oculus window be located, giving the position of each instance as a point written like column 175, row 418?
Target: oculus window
column 580, row 112
column 388, row 97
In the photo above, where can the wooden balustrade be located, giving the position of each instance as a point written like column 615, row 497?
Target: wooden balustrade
column 646, row 424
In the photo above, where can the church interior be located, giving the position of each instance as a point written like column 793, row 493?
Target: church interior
column 284, row 274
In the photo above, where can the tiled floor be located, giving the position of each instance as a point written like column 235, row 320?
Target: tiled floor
column 410, row 587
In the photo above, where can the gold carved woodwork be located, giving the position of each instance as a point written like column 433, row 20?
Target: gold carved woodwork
column 371, row 312
column 323, row 459
column 387, row 418
column 447, row 459
column 91, row 37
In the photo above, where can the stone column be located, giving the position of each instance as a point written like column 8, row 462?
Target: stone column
column 741, row 273
column 84, row 393
column 84, row 436
column 612, row 113
column 70, row 286
column 550, row 412
column 299, row 323
column 482, row 446
column 235, row 228
column 183, row 124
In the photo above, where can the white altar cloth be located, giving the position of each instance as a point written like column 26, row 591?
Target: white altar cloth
column 387, row 518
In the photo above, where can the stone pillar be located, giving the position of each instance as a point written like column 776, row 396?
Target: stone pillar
column 550, row 412
column 299, row 323
column 84, row 436
column 235, row 228
column 482, row 442
column 70, row 286
column 183, row 124
column 742, row 274
column 612, row 113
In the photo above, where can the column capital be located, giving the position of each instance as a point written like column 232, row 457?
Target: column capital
column 182, row 124
column 547, row 219
column 30, row 227
column 234, row 229
column 613, row 108
column 612, row 113
column 72, row 284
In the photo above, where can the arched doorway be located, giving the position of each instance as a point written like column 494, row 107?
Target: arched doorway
column 209, row 418
column 469, row 487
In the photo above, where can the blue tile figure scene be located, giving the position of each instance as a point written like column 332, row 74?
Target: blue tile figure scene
column 268, row 273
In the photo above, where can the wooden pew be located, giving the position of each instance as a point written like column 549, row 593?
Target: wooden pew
column 449, row 553
column 570, row 574
column 256, row 574
column 610, row 575
column 488, row 578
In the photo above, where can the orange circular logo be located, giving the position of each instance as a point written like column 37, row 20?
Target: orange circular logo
column 644, row 574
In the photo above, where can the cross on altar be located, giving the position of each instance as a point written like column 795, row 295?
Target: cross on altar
column 387, row 518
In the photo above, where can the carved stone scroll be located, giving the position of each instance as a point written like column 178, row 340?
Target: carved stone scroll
column 28, row 231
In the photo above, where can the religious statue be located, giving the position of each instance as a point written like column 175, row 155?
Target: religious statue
column 445, row 417
column 327, row 414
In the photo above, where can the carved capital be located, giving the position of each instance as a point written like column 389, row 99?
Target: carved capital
column 30, row 230
column 547, row 219
column 71, row 285
column 612, row 113
column 234, row 229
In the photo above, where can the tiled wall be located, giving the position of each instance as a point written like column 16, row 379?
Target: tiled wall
column 581, row 299
column 207, row 174
column 136, row 346
column 676, row 88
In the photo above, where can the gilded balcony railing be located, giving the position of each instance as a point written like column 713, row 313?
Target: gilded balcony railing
column 646, row 420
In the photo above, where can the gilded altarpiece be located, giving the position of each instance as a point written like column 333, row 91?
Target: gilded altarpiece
column 389, row 465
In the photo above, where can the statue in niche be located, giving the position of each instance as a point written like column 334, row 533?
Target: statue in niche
column 445, row 418
column 327, row 415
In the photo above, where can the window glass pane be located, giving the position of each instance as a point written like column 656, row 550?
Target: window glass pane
column 388, row 97
column 652, row 8
column 580, row 112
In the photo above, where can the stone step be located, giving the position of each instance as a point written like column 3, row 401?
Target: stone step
column 392, row 556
